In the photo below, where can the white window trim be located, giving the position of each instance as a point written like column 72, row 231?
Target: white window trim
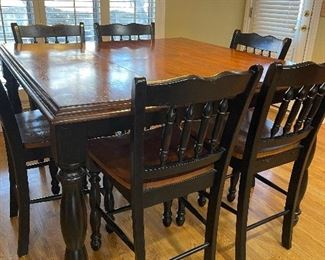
column 313, row 27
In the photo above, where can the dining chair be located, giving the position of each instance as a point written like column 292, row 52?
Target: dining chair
column 263, row 144
column 50, row 33
column 26, row 138
column 290, row 138
column 263, row 45
column 132, row 31
column 154, row 165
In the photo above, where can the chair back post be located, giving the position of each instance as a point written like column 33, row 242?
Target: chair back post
column 137, row 141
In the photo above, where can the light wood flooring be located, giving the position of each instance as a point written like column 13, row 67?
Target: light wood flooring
column 162, row 243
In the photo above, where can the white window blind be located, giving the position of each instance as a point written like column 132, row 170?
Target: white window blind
column 73, row 12
column 276, row 17
column 132, row 11
column 14, row 11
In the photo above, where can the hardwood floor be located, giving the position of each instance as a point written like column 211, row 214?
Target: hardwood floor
column 162, row 243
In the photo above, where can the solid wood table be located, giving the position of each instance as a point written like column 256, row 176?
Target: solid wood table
column 84, row 92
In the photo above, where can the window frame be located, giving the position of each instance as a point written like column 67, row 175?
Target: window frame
column 104, row 15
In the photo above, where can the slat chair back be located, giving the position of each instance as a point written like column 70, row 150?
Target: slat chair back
column 220, row 99
column 47, row 32
column 303, row 86
column 263, row 45
column 132, row 31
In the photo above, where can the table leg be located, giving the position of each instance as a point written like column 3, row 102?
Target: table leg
column 69, row 149
column 73, row 212
column 12, row 89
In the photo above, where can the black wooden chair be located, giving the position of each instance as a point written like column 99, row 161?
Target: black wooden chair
column 263, row 144
column 263, row 45
column 151, row 166
column 132, row 31
column 26, row 137
column 269, row 144
column 48, row 32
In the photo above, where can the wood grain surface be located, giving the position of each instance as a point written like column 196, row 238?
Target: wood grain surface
column 77, row 82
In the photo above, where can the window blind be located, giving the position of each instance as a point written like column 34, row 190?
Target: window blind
column 18, row 11
column 276, row 17
column 132, row 11
column 73, row 12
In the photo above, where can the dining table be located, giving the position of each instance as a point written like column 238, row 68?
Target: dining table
column 84, row 91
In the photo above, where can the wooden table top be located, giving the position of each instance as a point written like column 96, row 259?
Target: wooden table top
column 70, row 83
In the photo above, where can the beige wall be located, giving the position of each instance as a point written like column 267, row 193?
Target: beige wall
column 207, row 20
column 319, row 49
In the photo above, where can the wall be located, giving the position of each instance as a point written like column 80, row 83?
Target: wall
column 319, row 48
column 207, row 20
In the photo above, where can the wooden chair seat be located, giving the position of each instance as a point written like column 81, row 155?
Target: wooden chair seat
column 117, row 163
column 34, row 129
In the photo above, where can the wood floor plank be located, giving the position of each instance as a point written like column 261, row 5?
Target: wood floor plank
column 162, row 243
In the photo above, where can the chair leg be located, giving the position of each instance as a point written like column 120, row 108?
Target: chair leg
column 201, row 200
column 297, row 176
column 138, row 232
column 233, row 183
column 167, row 216
column 12, row 183
column 108, row 200
column 95, row 217
column 180, row 218
column 13, row 190
column 245, row 186
column 53, row 171
column 214, row 206
column 24, row 210
column 304, row 183
column 23, row 222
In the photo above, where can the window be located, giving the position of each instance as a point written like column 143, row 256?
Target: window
column 132, row 11
column 73, row 12
column 18, row 11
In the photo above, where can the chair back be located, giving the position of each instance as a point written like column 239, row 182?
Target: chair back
column 301, row 86
column 263, row 45
column 48, row 32
column 222, row 99
column 132, row 31
column 9, row 125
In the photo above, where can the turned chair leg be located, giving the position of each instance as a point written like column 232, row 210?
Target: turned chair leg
column 95, row 215
column 180, row 218
column 108, row 200
column 167, row 215
column 201, row 200
column 233, row 183
column 55, row 184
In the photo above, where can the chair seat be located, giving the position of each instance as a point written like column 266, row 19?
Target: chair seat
column 240, row 144
column 34, row 129
column 112, row 155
